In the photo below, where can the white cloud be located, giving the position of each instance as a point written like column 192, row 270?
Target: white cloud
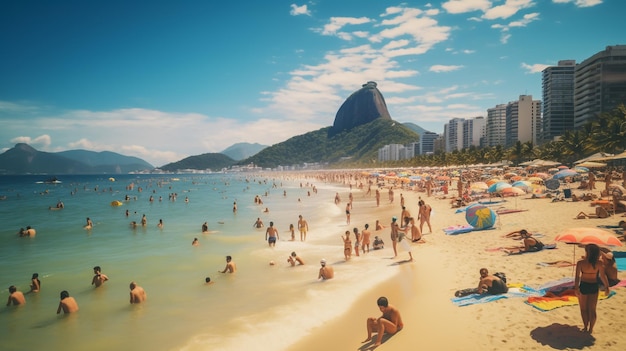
column 444, row 68
column 534, row 68
column 464, row 6
column 579, row 3
column 508, row 9
column 299, row 10
column 40, row 142
column 336, row 23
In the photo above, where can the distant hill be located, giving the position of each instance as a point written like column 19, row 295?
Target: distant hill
column 24, row 159
column 106, row 159
column 242, row 151
column 363, row 106
column 357, row 145
column 213, row 161
column 414, row 127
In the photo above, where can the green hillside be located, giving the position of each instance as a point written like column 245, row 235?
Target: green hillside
column 358, row 145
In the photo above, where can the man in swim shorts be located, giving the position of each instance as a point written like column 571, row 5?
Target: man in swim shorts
column 491, row 284
column 303, row 227
column 271, row 235
column 390, row 322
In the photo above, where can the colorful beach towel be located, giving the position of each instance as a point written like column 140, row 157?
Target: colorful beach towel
column 545, row 304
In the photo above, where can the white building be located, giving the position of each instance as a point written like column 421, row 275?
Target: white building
column 523, row 121
column 496, row 125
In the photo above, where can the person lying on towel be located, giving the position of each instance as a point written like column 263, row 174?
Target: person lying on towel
column 491, row 284
column 530, row 244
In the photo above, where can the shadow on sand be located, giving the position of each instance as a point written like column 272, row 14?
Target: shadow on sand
column 400, row 262
column 370, row 344
column 562, row 337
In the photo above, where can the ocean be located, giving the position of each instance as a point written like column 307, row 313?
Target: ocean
column 261, row 307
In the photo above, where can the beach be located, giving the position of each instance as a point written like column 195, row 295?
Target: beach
column 423, row 289
column 279, row 307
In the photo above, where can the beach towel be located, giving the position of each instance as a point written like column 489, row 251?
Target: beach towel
column 515, row 290
column 545, row 304
column 620, row 259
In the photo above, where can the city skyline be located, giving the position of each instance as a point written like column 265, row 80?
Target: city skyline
column 163, row 81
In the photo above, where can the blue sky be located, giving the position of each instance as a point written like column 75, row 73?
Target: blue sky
column 163, row 80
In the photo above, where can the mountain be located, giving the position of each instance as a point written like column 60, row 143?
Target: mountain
column 363, row 106
column 106, row 159
column 414, row 127
column 241, row 151
column 357, row 145
column 212, row 161
column 23, row 159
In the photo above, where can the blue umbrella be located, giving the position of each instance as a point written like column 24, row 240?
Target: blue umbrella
column 497, row 187
column 565, row 173
column 480, row 217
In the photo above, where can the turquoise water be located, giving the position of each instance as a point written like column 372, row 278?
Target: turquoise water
column 238, row 311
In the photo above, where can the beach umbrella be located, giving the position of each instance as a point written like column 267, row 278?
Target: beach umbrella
column 479, row 186
column 552, row 184
column 497, row 187
column 492, row 181
column 581, row 169
column 513, row 191
column 565, row 173
column 584, row 235
column 541, row 175
column 480, row 217
column 591, row 164
column 562, row 167
column 534, row 179
column 523, row 184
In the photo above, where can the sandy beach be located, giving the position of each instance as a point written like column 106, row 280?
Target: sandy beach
column 422, row 290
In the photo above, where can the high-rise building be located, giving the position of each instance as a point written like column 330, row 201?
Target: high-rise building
column 474, row 132
column 427, row 143
column 523, row 120
column 558, row 99
column 453, row 134
column 600, row 84
column 496, row 125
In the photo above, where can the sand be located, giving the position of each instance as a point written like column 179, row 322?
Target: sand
column 423, row 289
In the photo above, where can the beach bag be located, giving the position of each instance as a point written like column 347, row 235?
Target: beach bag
column 501, row 275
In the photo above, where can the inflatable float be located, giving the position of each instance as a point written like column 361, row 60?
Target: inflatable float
column 116, row 203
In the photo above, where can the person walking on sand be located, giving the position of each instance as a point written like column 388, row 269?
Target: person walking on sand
column 390, row 322
column 326, row 272
column 348, row 207
column 303, row 227
column 68, row 304
column 365, row 242
column 271, row 235
column 394, row 235
column 231, row 267
column 137, row 294
column 98, row 278
column 377, row 198
column 347, row 245
column 586, row 285
column 424, row 216
column 357, row 240
column 15, row 297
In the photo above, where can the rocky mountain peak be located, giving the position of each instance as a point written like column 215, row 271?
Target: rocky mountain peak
column 363, row 106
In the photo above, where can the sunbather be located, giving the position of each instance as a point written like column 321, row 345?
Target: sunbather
column 530, row 244
column 601, row 212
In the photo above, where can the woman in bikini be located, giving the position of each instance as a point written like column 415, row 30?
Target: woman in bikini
column 586, row 285
column 347, row 245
